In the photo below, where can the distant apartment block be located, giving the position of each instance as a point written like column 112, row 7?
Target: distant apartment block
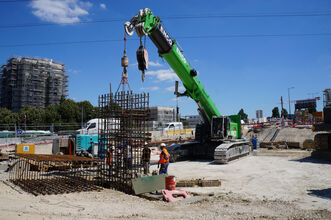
column 192, row 120
column 31, row 81
column 259, row 114
column 163, row 114
column 160, row 116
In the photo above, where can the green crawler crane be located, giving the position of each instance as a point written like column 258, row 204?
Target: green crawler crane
column 219, row 137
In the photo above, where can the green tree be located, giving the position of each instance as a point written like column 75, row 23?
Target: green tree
column 32, row 115
column 311, row 110
column 243, row 115
column 285, row 113
column 5, row 115
column 8, row 119
column 52, row 114
column 63, row 98
column 275, row 112
column 184, row 121
column 69, row 111
column 89, row 111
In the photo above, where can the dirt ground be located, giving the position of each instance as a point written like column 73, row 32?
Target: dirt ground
column 285, row 186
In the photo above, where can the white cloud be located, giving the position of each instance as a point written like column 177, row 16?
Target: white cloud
column 151, row 63
column 163, row 74
column 154, row 88
column 102, row 5
column 172, row 88
column 180, row 99
column 60, row 11
column 72, row 71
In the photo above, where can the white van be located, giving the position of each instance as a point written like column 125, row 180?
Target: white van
column 173, row 126
column 92, row 126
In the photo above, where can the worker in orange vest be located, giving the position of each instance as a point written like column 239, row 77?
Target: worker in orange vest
column 164, row 160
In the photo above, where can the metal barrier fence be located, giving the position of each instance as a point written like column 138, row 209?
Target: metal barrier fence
column 56, row 174
column 123, row 118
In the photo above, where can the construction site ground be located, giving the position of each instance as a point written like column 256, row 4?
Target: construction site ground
column 264, row 185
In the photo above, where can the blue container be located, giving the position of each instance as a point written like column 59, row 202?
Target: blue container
column 86, row 142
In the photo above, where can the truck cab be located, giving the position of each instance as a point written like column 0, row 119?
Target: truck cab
column 91, row 127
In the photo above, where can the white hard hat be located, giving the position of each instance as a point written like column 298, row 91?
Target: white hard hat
column 162, row 145
column 145, row 143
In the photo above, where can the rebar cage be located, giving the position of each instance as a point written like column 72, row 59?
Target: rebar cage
column 123, row 118
column 55, row 174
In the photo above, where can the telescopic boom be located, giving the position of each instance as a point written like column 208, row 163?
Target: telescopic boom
column 145, row 23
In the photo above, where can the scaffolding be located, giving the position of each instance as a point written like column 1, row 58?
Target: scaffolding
column 30, row 81
column 123, row 132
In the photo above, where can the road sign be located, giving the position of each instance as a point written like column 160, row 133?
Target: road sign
column 19, row 132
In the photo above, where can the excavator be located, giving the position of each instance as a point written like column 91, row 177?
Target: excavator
column 218, row 137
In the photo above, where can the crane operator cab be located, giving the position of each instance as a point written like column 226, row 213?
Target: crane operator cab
column 220, row 127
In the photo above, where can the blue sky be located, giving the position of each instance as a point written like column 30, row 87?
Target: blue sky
column 237, row 71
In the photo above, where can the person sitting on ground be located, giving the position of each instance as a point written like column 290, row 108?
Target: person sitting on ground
column 164, row 159
column 146, row 158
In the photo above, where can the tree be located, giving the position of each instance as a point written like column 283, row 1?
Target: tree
column 89, row 110
column 31, row 115
column 7, row 118
column 311, row 110
column 63, row 98
column 69, row 111
column 52, row 114
column 275, row 112
column 5, row 114
column 184, row 121
column 243, row 115
column 285, row 113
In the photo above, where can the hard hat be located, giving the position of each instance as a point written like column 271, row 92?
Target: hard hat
column 145, row 143
column 162, row 145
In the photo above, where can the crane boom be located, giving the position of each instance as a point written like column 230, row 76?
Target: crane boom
column 148, row 24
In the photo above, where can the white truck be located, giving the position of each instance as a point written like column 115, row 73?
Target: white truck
column 173, row 126
column 93, row 125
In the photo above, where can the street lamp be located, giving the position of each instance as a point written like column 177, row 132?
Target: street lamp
column 289, row 100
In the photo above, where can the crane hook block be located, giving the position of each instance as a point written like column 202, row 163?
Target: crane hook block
column 142, row 58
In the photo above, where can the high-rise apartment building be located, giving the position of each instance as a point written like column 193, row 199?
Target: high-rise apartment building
column 31, row 81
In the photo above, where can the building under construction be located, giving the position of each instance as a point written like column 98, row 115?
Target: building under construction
column 31, row 81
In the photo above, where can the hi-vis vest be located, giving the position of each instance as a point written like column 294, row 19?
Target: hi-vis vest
column 164, row 156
